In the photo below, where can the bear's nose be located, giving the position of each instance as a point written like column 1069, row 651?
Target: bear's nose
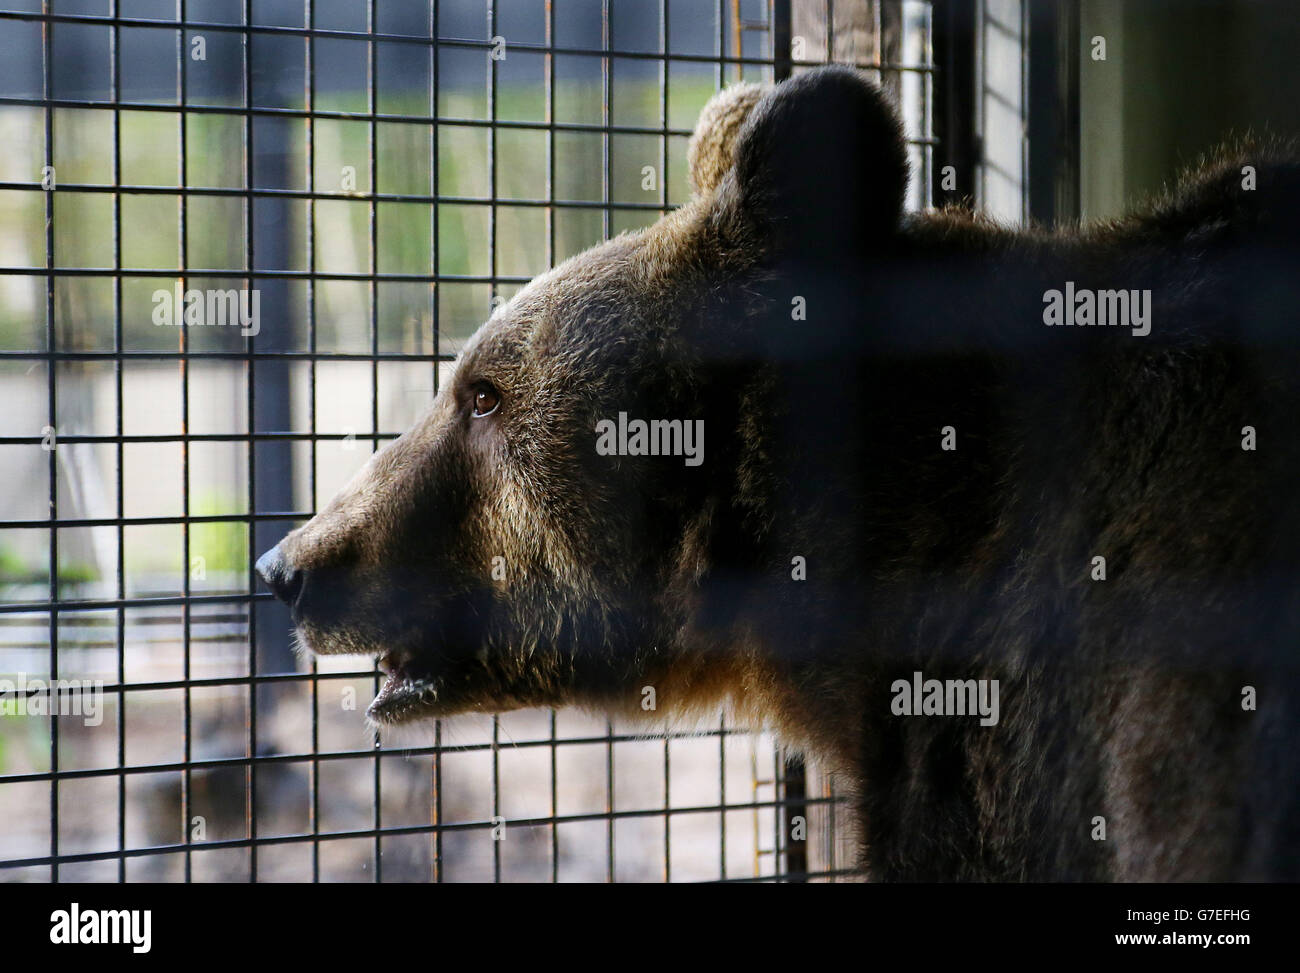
column 282, row 577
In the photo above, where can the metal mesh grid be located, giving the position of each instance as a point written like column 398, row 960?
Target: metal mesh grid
column 216, row 757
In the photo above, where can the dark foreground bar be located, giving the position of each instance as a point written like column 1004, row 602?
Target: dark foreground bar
column 333, row 922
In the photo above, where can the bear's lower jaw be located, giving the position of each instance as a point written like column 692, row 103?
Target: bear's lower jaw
column 409, row 694
column 407, row 700
column 402, row 698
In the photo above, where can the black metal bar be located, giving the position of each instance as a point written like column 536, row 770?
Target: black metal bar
column 51, row 341
column 492, row 258
column 551, row 259
column 313, row 810
column 607, row 190
column 115, row 86
column 1054, row 111
column 782, row 63
column 435, row 317
column 451, row 42
column 265, row 112
column 372, row 69
column 663, row 189
column 214, row 682
column 953, row 116
column 398, row 830
column 250, row 215
column 781, row 70
column 795, row 813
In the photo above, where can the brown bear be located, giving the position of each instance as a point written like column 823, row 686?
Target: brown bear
column 1001, row 525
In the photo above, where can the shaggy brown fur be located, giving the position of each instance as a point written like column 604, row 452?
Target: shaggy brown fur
column 500, row 560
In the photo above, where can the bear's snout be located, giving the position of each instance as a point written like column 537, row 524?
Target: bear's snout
column 280, row 576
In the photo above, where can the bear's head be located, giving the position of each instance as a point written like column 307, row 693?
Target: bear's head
column 593, row 486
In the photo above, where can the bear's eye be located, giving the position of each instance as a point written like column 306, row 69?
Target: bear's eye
column 486, row 400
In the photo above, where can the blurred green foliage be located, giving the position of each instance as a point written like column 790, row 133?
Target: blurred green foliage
column 216, row 226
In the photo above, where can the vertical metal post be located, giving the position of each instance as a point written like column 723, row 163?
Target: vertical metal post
column 794, row 790
column 954, row 39
column 781, row 38
column 270, row 467
column 1054, row 111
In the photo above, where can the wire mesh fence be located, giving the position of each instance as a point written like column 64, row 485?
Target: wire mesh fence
column 379, row 176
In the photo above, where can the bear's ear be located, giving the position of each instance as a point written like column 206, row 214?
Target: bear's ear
column 711, row 152
column 820, row 165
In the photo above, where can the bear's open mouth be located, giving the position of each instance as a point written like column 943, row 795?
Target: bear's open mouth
column 405, row 689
